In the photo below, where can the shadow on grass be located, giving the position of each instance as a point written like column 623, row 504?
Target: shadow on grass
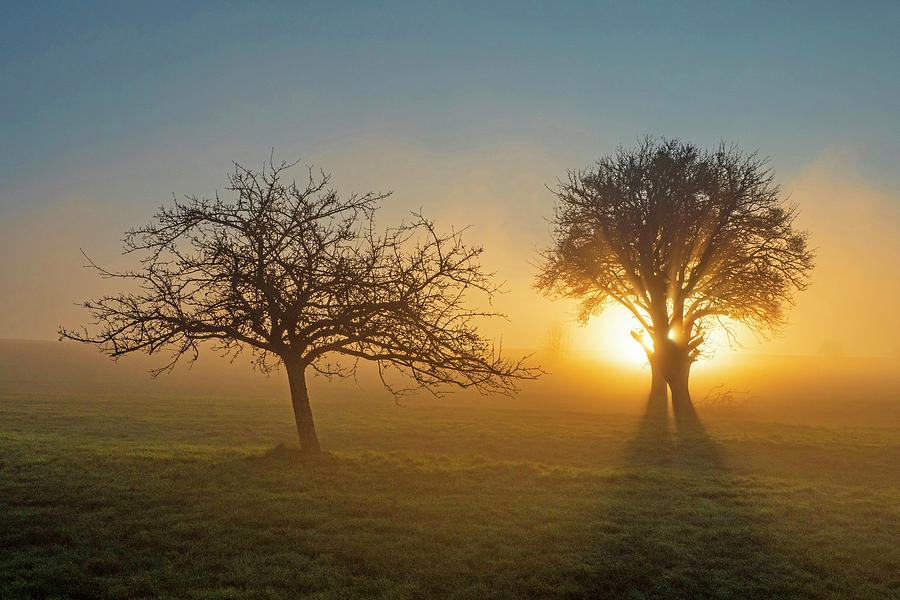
column 678, row 525
column 673, row 522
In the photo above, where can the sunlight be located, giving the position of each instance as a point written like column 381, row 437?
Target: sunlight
column 610, row 337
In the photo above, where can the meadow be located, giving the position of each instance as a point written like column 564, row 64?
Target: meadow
column 123, row 496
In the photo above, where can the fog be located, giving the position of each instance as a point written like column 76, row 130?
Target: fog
column 498, row 193
column 836, row 360
column 791, row 389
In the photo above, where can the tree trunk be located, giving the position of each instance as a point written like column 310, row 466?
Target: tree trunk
column 309, row 441
column 679, row 375
column 657, row 403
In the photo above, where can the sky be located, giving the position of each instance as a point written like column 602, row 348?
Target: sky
column 465, row 110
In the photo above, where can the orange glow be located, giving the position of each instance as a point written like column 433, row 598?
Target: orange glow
column 608, row 336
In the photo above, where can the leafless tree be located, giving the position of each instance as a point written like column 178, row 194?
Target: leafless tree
column 557, row 340
column 686, row 240
column 720, row 397
column 299, row 276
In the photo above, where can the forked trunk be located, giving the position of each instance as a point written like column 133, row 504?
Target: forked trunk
column 309, row 441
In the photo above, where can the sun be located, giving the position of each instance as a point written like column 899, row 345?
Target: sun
column 610, row 337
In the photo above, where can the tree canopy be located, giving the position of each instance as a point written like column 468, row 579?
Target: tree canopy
column 685, row 239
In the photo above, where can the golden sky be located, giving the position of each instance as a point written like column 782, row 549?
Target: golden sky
column 498, row 191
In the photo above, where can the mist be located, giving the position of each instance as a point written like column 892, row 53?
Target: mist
column 821, row 389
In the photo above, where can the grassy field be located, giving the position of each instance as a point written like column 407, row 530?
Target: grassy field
column 184, row 498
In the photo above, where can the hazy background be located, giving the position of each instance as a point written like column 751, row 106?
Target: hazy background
column 466, row 111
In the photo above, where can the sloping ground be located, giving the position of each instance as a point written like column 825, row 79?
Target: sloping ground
column 186, row 498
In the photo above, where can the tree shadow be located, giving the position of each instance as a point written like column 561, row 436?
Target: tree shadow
column 678, row 525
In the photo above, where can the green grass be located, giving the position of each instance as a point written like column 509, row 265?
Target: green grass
column 180, row 498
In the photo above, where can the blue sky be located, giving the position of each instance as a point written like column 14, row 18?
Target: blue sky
column 107, row 108
column 85, row 82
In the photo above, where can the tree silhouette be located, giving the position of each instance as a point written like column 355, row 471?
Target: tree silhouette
column 297, row 275
column 686, row 240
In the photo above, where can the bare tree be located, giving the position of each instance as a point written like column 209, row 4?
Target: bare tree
column 557, row 340
column 686, row 240
column 299, row 276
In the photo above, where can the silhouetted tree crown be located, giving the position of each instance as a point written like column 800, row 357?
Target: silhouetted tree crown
column 297, row 274
column 681, row 237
